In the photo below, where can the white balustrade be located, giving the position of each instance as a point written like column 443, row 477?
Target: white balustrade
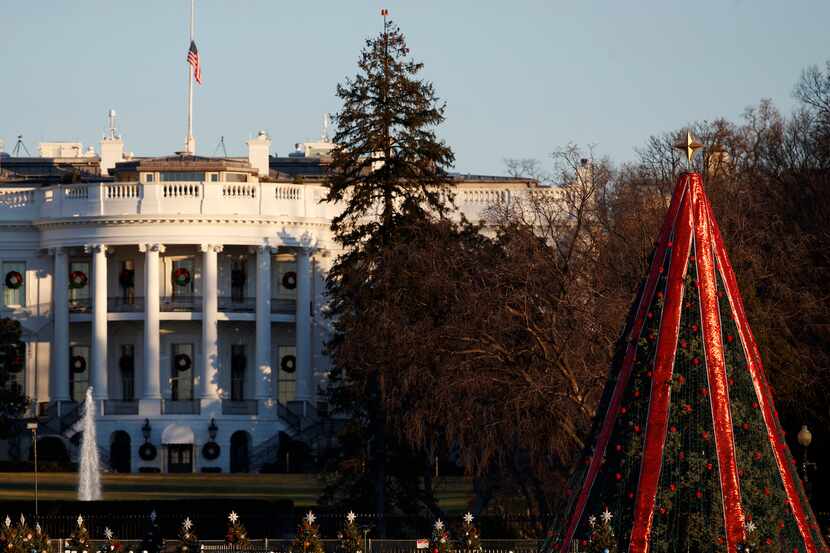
column 119, row 191
column 287, row 192
column 182, row 190
column 76, row 192
column 239, row 190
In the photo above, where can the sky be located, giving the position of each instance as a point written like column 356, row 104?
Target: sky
column 520, row 78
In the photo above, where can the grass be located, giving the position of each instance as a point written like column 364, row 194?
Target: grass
column 303, row 489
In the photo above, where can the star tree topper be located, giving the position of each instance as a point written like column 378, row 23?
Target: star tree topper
column 22, row 520
column 468, row 518
column 108, row 533
column 233, row 517
column 606, row 516
column 188, row 524
column 690, row 146
column 80, row 521
column 439, row 525
column 310, row 518
column 8, row 521
column 351, row 517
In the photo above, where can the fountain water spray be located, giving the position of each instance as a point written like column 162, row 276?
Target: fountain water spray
column 89, row 484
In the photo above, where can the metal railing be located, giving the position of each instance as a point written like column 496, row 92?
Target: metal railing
column 285, row 307
column 180, row 303
column 121, row 304
column 239, row 407
column 120, row 407
column 180, row 407
column 239, row 305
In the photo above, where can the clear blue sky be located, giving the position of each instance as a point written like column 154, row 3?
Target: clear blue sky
column 520, row 78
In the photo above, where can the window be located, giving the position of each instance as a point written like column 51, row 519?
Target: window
column 79, row 372
column 14, row 293
column 181, row 372
column 126, row 279
column 149, row 177
column 79, row 284
column 182, row 277
column 287, row 379
column 238, row 363
column 126, row 363
column 15, row 368
column 284, row 285
column 238, row 279
column 183, row 176
column 214, row 177
column 236, row 177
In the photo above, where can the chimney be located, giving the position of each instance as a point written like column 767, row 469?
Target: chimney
column 259, row 149
column 112, row 147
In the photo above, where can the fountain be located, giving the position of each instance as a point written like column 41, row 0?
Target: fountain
column 89, row 483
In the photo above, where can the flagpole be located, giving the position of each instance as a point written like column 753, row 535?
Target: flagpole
column 190, row 143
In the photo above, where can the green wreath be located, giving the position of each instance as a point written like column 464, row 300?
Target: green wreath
column 78, row 280
column 181, row 277
column 14, row 280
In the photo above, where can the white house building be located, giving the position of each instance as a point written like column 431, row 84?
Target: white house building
column 188, row 291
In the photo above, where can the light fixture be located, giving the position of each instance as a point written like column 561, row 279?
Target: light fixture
column 212, row 429
column 146, row 429
column 805, row 437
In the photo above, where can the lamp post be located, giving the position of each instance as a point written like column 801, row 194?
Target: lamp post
column 33, row 427
column 805, row 438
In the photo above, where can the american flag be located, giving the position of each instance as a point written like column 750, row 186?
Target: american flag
column 193, row 59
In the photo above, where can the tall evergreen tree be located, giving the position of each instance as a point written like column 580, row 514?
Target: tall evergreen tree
column 388, row 168
column 13, row 401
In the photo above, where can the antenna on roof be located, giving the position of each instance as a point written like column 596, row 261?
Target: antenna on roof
column 221, row 146
column 20, row 146
column 324, row 133
column 111, row 128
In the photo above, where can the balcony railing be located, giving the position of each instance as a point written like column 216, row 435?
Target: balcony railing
column 120, row 407
column 180, row 303
column 239, row 407
column 180, row 407
column 82, row 305
column 285, row 307
column 125, row 305
column 237, row 305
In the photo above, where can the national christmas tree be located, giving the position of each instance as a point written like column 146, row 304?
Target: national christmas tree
column 17, row 539
column 349, row 536
column 308, row 536
column 602, row 538
column 236, row 534
column 471, row 540
column 152, row 541
column 439, row 542
column 79, row 539
column 688, row 452
column 188, row 540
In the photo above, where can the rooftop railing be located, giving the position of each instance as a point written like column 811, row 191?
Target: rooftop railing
column 267, row 199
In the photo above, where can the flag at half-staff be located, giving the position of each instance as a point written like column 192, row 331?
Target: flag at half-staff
column 193, row 60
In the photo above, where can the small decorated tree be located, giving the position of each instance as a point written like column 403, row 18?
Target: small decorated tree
column 79, row 539
column 602, row 534
column 113, row 544
column 40, row 541
column 471, row 540
column 152, row 542
column 236, row 535
column 8, row 536
column 349, row 536
column 440, row 540
column 188, row 540
column 25, row 536
column 308, row 536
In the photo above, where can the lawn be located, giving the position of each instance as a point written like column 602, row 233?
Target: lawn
column 302, row 489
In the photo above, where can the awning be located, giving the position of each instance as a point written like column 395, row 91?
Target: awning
column 177, row 434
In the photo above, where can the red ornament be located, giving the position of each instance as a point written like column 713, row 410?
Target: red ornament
column 766, row 491
column 630, row 495
column 673, row 487
column 673, row 429
column 637, row 428
column 745, row 426
column 683, row 344
column 650, row 315
column 709, row 466
column 618, row 447
column 731, row 381
column 687, row 408
column 623, row 410
column 730, row 338
column 696, row 361
column 662, row 510
column 698, row 494
column 682, row 456
column 669, row 244
column 636, row 393
column 618, row 476
column 694, row 328
column 757, row 455
column 705, row 435
column 660, row 295
column 681, row 379
column 754, row 404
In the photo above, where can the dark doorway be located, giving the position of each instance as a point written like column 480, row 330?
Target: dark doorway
column 240, row 444
column 51, row 449
column 179, row 458
column 120, row 453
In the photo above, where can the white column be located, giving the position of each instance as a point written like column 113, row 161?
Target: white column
column 305, row 383
column 150, row 379
column 263, row 323
column 99, row 321
column 60, row 343
column 209, row 379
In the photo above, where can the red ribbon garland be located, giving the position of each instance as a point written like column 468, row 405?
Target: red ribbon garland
column 659, row 401
column 764, row 397
column 716, row 370
column 604, row 435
